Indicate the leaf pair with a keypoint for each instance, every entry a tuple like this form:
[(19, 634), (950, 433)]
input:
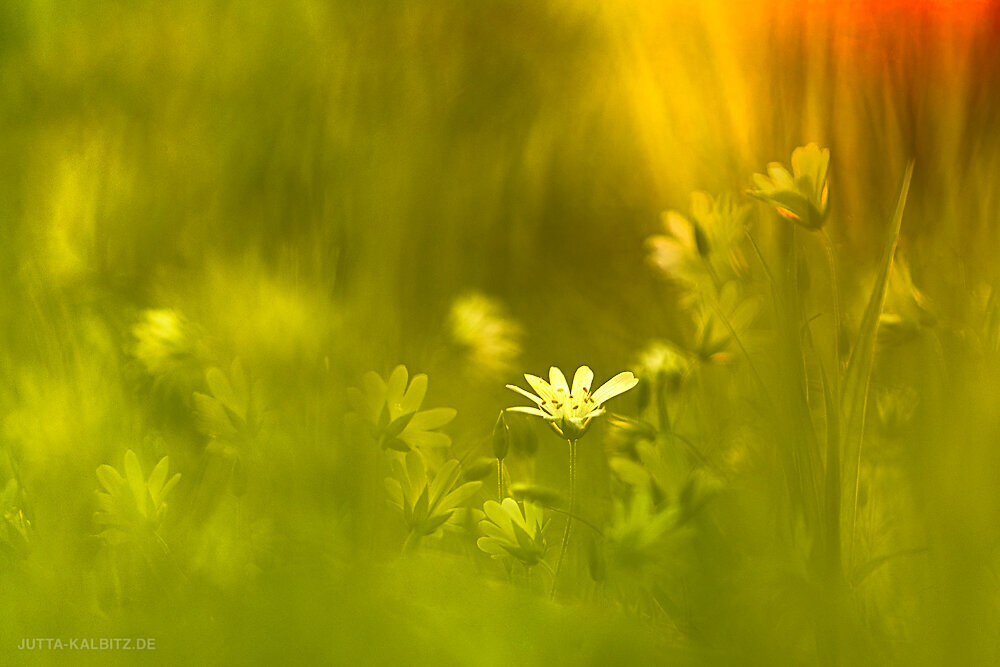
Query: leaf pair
[(227, 412), (637, 531), (510, 532), (428, 504), (132, 505), (392, 410)]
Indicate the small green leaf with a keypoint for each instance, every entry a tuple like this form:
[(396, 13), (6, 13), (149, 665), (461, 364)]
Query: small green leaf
[(109, 478), (168, 487), (396, 444), (395, 387), (414, 396), (426, 439), (157, 479), (523, 539), (221, 389), (435, 522), (136, 481), (428, 420), (461, 494), (212, 418), (416, 470), (421, 508), (398, 425), (445, 478)]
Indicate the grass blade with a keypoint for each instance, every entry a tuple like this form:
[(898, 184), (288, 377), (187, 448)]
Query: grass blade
[(859, 367)]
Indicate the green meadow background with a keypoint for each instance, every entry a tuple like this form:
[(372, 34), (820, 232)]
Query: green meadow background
[(309, 186)]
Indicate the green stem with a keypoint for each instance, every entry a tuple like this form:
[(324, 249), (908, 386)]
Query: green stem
[(569, 515), (663, 412), (412, 540), (576, 517), (833, 440), (500, 479)]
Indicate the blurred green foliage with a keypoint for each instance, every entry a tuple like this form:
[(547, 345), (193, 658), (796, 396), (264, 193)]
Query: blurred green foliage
[(218, 218)]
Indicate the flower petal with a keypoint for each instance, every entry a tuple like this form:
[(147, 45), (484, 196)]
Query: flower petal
[(558, 380), (490, 529), (497, 515), (541, 387), (780, 177), (534, 517), (665, 253), (491, 546), (534, 398), (530, 411), (680, 227), (619, 384), (582, 381), (510, 506)]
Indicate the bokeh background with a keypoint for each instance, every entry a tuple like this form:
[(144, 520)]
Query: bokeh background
[(310, 186)]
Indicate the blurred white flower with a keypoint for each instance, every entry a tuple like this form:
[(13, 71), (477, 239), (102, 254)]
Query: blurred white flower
[(163, 340), (489, 340), (661, 361), (803, 195), (705, 242), (906, 311)]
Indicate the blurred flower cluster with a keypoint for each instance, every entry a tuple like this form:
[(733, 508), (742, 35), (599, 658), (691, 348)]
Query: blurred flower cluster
[(704, 246)]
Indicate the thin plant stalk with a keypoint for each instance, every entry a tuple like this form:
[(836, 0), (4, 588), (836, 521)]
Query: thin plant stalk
[(662, 411), (412, 540), (833, 442), (569, 515)]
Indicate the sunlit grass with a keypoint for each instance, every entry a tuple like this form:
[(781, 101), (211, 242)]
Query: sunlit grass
[(295, 254)]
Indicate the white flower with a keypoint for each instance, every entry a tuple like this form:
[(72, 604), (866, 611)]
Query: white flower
[(569, 411)]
